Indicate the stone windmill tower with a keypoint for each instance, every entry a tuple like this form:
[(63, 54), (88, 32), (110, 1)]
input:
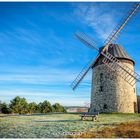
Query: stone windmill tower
[(110, 92), (114, 78)]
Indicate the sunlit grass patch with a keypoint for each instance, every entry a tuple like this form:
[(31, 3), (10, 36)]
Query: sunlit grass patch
[(57, 125)]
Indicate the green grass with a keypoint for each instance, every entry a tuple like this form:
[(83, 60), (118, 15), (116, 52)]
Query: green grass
[(56, 125)]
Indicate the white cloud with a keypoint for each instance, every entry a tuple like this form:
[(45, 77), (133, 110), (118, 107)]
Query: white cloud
[(62, 96), (97, 16), (42, 75), (67, 99), (51, 84)]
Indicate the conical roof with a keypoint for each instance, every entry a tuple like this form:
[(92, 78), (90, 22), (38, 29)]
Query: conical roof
[(117, 51)]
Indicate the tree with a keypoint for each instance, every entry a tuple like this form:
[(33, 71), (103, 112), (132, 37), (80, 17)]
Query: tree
[(19, 105), (5, 108), (59, 108), (46, 107), (32, 107), (39, 107)]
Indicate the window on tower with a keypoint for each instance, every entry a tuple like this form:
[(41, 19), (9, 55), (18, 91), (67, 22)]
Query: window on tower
[(101, 88), (105, 106), (101, 82), (101, 77), (134, 90)]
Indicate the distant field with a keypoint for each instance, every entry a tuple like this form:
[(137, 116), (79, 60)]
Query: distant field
[(58, 125)]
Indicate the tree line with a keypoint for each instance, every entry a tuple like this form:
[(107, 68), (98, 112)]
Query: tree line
[(20, 106)]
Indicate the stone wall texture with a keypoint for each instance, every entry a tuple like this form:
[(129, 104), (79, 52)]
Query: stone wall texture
[(110, 92)]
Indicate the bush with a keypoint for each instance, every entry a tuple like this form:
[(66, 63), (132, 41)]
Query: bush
[(5, 108), (59, 108)]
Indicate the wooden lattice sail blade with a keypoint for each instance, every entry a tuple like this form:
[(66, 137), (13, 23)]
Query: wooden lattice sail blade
[(85, 39), (130, 79), (79, 77), (124, 71), (110, 60), (116, 32), (91, 44)]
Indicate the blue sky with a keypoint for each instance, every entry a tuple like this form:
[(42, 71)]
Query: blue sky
[(39, 55)]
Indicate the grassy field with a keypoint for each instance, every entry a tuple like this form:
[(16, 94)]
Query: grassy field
[(60, 125)]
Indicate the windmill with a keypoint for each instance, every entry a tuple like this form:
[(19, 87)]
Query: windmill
[(106, 66)]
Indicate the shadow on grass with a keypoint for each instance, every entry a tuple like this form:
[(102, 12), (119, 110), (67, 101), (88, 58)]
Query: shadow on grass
[(76, 120), (9, 115), (39, 114), (59, 121)]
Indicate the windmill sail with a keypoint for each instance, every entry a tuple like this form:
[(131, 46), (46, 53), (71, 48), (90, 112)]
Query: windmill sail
[(114, 34), (80, 76), (124, 71), (112, 62), (121, 25), (90, 43)]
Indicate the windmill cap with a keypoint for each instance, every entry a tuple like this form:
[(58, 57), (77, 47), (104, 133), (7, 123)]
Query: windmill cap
[(118, 51)]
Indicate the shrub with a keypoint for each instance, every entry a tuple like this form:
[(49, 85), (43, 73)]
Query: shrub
[(5, 108), (59, 108)]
